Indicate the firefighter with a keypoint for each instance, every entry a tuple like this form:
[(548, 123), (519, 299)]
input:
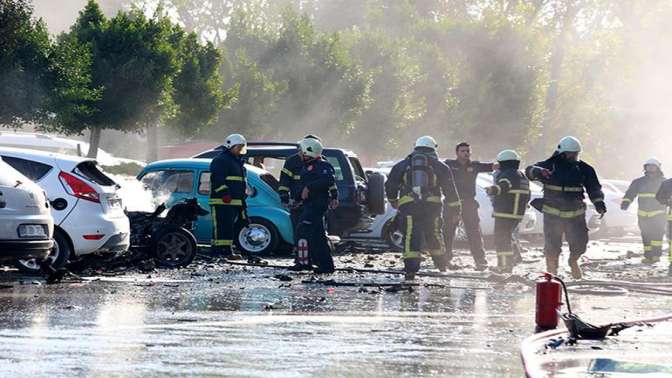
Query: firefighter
[(664, 196), (414, 187), (651, 213), (318, 194), (465, 171), (565, 179), (227, 195), (511, 195)]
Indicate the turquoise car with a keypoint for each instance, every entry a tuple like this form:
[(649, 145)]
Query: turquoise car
[(270, 229)]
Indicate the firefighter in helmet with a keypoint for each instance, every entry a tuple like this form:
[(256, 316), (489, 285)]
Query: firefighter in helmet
[(415, 187)]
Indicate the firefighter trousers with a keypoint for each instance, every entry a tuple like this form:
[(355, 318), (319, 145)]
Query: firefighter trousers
[(225, 219), (574, 229), (472, 227), (507, 244), (311, 239), (653, 231), (422, 228)]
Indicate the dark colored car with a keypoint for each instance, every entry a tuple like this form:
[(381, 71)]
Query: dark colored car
[(361, 195)]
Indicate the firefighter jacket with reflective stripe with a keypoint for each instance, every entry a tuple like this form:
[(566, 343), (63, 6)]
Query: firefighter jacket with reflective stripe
[(564, 189), (227, 178), (664, 196), (645, 188), (290, 177), (511, 194), (320, 178), (398, 184), (465, 176)]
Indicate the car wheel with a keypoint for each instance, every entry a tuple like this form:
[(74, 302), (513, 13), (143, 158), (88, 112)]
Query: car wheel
[(174, 247), (259, 238), (58, 257), (393, 236)]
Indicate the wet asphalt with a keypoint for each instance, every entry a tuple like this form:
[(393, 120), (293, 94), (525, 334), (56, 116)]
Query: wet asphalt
[(214, 319)]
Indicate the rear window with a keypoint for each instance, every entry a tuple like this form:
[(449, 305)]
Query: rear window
[(31, 169), (204, 183), (89, 170)]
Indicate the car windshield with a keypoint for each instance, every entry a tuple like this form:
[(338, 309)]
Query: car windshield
[(169, 181)]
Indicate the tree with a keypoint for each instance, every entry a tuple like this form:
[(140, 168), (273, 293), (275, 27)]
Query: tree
[(132, 64), (24, 64)]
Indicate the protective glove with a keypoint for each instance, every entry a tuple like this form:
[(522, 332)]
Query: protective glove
[(601, 207)]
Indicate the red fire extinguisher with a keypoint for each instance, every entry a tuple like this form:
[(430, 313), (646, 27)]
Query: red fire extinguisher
[(548, 302)]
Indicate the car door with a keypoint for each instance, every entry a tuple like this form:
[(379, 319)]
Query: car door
[(203, 227)]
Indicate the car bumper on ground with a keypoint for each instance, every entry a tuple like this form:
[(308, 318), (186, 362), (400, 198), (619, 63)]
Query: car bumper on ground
[(11, 250)]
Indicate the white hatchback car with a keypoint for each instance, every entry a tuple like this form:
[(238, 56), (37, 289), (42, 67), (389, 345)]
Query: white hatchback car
[(88, 214), (26, 225)]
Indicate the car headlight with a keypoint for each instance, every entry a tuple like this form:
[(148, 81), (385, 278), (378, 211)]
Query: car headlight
[(32, 231)]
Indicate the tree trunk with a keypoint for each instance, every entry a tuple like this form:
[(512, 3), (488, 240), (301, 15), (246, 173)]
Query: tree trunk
[(94, 142), (152, 143)]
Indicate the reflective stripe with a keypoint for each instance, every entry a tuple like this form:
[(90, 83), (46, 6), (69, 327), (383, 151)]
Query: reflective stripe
[(223, 187), (504, 180), (287, 172), (408, 254), (221, 243), (557, 188), (627, 200), (333, 187), (648, 248), (562, 214), (597, 200), (213, 211), (657, 243), (454, 204), (234, 178), (434, 199), (519, 191), (215, 201), (507, 215), (283, 189), (405, 199), (647, 195), (649, 214), (498, 188), (297, 177), (507, 253)]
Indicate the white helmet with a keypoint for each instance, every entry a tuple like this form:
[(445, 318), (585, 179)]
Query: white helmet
[(508, 155), (234, 140), (654, 162), (427, 142), (569, 144), (311, 147)]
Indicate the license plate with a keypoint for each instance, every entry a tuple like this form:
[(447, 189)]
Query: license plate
[(115, 202), (32, 231)]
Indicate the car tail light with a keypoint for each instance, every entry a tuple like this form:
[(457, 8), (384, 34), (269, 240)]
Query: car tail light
[(78, 187), (93, 236)]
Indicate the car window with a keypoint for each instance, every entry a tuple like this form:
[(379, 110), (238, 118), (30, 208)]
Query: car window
[(169, 181), (357, 167), (337, 167), (89, 169), (204, 183), (31, 169)]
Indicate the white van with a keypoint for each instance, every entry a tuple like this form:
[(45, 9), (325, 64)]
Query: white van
[(26, 224)]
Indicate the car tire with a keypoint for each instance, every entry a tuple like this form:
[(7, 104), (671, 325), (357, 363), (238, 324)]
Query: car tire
[(259, 238), (174, 247), (60, 255), (375, 194)]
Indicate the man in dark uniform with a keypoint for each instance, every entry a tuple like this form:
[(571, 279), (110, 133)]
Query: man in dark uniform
[(511, 195), (651, 213), (664, 196), (318, 192), (465, 171), (227, 195), (565, 178), (414, 187)]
